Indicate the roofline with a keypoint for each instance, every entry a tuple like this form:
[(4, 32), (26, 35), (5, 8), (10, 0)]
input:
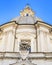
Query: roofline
[(7, 23), (28, 24), (44, 23)]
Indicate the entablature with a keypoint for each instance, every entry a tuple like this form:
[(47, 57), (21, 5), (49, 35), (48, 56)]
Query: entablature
[(32, 55)]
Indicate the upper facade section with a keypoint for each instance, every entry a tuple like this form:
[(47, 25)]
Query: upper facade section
[(27, 16), (27, 11)]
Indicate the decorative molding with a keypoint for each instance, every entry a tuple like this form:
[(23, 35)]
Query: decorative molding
[(32, 55)]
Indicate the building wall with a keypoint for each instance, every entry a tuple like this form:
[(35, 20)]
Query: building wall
[(41, 42), (11, 36), (36, 62), (44, 39), (35, 58)]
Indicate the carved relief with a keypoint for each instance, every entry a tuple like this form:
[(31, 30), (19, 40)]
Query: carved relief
[(25, 45)]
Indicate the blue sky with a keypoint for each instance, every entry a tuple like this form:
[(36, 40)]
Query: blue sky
[(10, 9)]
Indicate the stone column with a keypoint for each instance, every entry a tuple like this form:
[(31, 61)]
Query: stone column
[(33, 45), (17, 45), (49, 44), (2, 46), (10, 41), (41, 44)]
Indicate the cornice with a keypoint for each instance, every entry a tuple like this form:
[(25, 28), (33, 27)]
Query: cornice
[(13, 23), (44, 24), (37, 22), (32, 55)]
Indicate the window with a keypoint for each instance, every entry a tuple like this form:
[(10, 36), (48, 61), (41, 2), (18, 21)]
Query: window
[(25, 45)]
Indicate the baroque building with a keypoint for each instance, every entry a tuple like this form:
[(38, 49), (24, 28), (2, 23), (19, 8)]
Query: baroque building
[(26, 40)]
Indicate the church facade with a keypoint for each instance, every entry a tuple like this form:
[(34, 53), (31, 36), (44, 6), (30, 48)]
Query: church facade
[(26, 40)]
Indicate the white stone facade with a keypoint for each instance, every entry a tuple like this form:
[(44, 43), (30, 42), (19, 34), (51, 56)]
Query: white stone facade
[(38, 36)]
